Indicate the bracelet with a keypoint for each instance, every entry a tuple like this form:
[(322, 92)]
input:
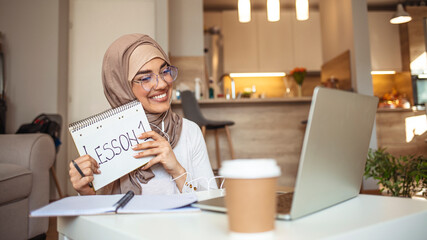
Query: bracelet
[(179, 176), (190, 186)]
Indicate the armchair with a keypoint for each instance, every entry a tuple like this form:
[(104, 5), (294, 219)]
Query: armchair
[(25, 160)]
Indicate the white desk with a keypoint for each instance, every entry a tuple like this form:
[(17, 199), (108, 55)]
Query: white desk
[(363, 217)]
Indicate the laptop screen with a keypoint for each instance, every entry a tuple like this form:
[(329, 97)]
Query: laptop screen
[(334, 150)]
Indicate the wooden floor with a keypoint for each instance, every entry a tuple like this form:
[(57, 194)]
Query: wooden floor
[(52, 234)]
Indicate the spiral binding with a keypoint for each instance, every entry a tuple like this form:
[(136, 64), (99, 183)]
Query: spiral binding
[(76, 126)]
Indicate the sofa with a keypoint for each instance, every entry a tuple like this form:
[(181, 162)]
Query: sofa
[(25, 160)]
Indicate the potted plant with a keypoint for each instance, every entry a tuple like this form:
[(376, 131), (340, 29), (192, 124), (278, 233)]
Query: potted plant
[(298, 74), (402, 176)]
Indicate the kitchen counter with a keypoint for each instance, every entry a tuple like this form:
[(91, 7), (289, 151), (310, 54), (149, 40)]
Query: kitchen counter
[(399, 110), (251, 100), (275, 128), (264, 128)]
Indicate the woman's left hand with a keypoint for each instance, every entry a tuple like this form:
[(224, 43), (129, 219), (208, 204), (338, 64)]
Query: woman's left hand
[(162, 150)]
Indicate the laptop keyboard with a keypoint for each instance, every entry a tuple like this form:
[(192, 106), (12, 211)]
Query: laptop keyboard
[(284, 202)]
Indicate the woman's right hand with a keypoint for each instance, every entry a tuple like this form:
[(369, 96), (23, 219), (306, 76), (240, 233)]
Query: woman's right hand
[(89, 166)]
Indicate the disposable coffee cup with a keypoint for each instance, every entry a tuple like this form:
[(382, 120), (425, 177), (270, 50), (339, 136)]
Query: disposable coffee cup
[(250, 198)]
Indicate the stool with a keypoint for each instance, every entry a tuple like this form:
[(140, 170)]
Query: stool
[(191, 110)]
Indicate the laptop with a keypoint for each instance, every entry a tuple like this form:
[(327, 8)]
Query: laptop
[(333, 156)]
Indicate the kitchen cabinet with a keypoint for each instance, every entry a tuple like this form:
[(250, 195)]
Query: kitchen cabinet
[(276, 43), (240, 43), (262, 46), (384, 42), (307, 37)]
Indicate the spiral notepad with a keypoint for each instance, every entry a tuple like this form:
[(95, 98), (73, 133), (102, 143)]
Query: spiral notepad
[(108, 138)]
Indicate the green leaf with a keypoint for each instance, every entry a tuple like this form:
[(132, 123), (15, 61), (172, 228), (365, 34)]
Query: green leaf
[(400, 176)]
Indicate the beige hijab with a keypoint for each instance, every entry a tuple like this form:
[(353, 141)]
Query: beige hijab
[(126, 54)]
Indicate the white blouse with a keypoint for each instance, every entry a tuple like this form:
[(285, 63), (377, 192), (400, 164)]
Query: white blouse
[(192, 154)]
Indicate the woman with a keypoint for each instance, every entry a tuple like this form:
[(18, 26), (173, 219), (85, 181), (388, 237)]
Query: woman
[(136, 67)]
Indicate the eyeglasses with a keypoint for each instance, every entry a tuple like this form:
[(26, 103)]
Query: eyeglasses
[(151, 80)]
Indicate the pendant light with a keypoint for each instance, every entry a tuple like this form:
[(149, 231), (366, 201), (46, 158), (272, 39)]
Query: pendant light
[(244, 9), (401, 16), (301, 7), (273, 10)]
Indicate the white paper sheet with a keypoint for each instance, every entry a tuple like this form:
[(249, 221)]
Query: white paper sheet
[(108, 138), (104, 204)]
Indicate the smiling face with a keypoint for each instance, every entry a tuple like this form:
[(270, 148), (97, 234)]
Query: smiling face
[(157, 99)]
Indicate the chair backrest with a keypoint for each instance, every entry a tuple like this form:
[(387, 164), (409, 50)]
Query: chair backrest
[(191, 108), (58, 119)]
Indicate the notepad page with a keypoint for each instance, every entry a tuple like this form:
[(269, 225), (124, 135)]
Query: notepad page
[(159, 203), (104, 204), (109, 141), (79, 205)]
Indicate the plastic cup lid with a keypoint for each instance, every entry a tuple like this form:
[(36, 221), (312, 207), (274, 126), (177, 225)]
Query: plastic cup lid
[(250, 168)]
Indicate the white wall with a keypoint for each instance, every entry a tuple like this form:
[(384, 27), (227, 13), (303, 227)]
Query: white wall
[(361, 52), (35, 46), (94, 25), (186, 28), (336, 27), (344, 26), (212, 19), (31, 33)]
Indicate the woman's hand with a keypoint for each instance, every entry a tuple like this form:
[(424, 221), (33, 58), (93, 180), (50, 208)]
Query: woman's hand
[(89, 166), (162, 150)]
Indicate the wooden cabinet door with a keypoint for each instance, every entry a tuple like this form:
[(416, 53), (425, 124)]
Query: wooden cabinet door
[(262, 46), (276, 43), (240, 43), (384, 42), (307, 42)]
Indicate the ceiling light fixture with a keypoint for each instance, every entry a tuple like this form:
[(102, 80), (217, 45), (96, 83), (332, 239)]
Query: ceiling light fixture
[(401, 16), (301, 7), (244, 9), (382, 72), (273, 10)]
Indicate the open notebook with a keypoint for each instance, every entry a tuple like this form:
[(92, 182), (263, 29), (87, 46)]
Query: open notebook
[(106, 204)]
